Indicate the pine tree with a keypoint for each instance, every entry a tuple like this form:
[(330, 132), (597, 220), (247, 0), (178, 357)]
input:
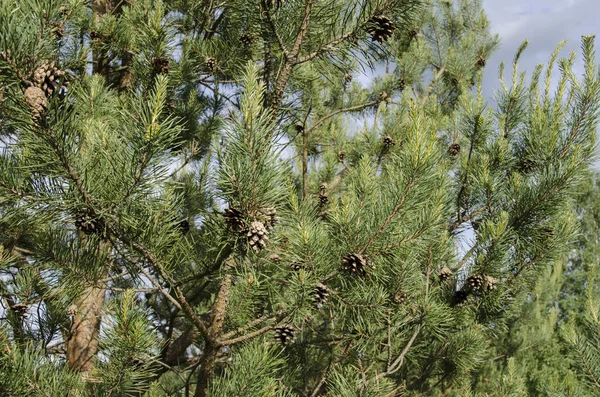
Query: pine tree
[(190, 205), (550, 346), (579, 295)]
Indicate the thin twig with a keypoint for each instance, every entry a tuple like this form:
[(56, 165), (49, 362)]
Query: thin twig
[(397, 364), (389, 217)]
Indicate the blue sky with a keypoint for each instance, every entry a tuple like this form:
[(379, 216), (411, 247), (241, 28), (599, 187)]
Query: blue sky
[(544, 23)]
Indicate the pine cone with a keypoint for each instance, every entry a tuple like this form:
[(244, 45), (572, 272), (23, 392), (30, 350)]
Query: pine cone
[(247, 39), (184, 226), (210, 63), (400, 298), (525, 165), (295, 266), (321, 295), (445, 273), (402, 84), (273, 4), (385, 97), (258, 310), (257, 236), (36, 101), (20, 309), (270, 215), (491, 283), (234, 219), (355, 264), (275, 258), (160, 65), (380, 28), (341, 155), (481, 61), (388, 141), (47, 77), (475, 281), (88, 223), (5, 56), (323, 199), (347, 78), (58, 29), (454, 149), (459, 297), (284, 335)]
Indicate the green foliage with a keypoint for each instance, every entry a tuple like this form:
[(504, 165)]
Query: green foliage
[(264, 225), (129, 347), (27, 372)]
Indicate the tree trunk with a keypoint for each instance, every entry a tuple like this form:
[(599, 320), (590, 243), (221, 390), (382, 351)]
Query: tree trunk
[(82, 344)]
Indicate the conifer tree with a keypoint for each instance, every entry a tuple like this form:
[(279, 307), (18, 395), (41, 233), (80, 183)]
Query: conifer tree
[(550, 346), (199, 198)]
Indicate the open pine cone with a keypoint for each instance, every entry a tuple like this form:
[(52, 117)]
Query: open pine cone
[(355, 264), (380, 28), (257, 236), (475, 281), (284, 335), (47, 77), (321, 295)]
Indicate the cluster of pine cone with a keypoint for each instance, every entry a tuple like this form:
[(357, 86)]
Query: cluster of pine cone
[(45, 82)]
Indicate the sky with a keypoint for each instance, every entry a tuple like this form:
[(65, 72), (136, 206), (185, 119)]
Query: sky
[(544, 23)]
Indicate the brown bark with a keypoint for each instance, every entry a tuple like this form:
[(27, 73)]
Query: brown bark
[(82, 344), (176, 349), (126, 78)]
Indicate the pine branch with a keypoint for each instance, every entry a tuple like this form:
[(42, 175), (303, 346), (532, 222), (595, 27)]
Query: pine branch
[(179, 297), (389, 217), (251, 324), (587, 366), (397, 364), (246, 337), (329, 46), (284, 49), (466, 257), (467, 218), (286, 71), (220, 307), (343, 110)]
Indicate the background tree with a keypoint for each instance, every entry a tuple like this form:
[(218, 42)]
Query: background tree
[(190, 206)]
